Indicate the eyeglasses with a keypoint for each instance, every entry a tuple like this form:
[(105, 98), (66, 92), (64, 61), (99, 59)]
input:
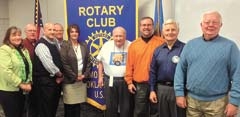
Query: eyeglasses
[(59, 30), (211, 22), (146, 25), (31, 30)]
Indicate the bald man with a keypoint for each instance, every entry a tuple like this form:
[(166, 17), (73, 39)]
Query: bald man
[(112, 63), (47, 72), (31, 37)]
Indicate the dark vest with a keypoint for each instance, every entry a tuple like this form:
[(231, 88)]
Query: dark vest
[(38, 68)]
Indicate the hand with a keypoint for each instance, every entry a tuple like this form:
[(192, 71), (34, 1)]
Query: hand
[(28, 87), (80, 77), (100, 82), (231, 110), (132, 88), (59, 80), (153, 97), (25, 87), (59, 74), (181, 101)]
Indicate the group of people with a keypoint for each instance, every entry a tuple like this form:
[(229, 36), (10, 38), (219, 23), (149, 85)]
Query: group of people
[(37, 70), (150, 77), (166, 78)]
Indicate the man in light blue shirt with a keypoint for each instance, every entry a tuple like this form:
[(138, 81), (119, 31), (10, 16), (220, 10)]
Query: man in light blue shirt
[(207, 78)]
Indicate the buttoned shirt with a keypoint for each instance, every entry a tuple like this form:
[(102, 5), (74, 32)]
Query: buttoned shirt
[(164, 62)]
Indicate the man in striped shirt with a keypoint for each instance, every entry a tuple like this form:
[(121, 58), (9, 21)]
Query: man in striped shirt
[(47, 73)]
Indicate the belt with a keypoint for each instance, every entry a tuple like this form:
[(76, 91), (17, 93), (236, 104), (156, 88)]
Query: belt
[(166, 83), (143, 82), (107, 76)]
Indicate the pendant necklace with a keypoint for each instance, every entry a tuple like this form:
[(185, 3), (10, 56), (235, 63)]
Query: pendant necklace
[(75, 48)]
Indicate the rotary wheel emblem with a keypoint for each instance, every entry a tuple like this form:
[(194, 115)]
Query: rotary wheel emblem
[(96, 41)]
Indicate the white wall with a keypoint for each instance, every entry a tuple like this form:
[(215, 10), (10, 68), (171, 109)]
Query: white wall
[(4, 18), (146, 8), (189, 13), (21, 12), (4, 9)]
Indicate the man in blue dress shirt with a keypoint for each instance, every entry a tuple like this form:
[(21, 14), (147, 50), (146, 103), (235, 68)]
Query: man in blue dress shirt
[(162, 70)]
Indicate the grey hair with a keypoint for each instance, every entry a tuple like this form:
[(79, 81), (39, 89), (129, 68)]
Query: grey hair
[(212, 12), (171, 21)]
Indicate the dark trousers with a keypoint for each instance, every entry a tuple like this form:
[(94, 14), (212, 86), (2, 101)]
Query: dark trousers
[(167, 103), (72, 110), (12, 103), (118, 98), (32, 103), (48, 94), (141, 103)]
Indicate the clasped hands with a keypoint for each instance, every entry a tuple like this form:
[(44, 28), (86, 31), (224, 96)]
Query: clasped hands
[(26, 87)]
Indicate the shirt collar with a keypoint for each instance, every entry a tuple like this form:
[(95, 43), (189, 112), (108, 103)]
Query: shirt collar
[(210, 39), (31, 41), (176, 44), (147, 39), (54, 41)]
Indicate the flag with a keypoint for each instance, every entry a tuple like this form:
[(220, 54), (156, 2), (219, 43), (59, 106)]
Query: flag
[(38, 19), (158, 17)]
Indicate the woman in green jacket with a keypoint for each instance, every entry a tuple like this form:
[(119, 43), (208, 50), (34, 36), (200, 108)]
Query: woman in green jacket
[(15, 73)]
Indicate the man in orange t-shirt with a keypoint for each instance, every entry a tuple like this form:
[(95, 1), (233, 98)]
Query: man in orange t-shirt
[(138, 65)]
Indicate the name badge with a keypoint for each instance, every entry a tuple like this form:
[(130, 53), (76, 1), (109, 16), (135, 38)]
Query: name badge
[(110, 81), (175, 59)]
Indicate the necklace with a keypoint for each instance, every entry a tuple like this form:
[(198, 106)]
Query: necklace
[(75, 48)]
